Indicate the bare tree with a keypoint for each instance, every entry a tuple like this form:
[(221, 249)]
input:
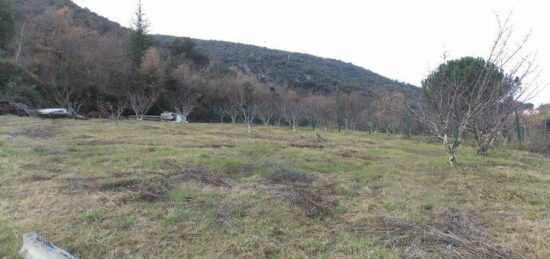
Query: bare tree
[(248, 104), (388, 113), (506, 82), (292, 109), (268, 104), (140, 102), (185, 97), (315, 110), (221, 110), (460, 93), (20, 43), (112, 110)]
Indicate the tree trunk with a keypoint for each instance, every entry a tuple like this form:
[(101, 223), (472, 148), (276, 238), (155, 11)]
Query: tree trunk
[(294, 127), (346, 123), (452, 156), (249, 128), (20, 43), (451, 150)]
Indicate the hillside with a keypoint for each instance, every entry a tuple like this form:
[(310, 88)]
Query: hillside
[(150, 190), (296, 70)]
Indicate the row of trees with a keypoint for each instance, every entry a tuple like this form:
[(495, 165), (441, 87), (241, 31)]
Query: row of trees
[(117, 72)]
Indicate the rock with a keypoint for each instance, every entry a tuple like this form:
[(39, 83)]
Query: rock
[(36, 247)]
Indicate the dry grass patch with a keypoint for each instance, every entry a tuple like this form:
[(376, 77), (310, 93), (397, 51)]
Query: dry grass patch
[(451, 234)]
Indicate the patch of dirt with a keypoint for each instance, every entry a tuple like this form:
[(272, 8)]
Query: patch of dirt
[(450, 235)]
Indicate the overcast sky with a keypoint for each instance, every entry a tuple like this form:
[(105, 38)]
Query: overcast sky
[(400, 39)]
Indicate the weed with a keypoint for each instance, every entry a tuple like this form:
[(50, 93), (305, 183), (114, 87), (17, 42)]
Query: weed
[(94, 217)]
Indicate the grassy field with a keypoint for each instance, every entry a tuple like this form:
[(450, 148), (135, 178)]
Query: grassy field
[(152, 190)]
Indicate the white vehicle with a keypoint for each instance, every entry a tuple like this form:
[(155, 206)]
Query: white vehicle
[(172, 116)]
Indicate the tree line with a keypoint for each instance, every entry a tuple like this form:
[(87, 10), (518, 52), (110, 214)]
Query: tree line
[(50, 60)]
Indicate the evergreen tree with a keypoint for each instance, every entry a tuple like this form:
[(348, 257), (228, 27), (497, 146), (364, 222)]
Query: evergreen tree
[(139, 41)]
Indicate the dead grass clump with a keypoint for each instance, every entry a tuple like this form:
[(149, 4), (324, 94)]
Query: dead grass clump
[(450, 235), (347, 153), (315, 204), (289, 178), (42, 166), (296, 188), (114, 184), (149, 189), (99, 142), (37, 177), (209, 146), (310, 142), (199, 174)]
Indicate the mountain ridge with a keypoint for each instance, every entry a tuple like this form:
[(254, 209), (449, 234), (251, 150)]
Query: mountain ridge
[(286, 68)]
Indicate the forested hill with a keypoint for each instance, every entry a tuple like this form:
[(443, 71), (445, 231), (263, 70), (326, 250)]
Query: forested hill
[(29, 9), (296, 70)]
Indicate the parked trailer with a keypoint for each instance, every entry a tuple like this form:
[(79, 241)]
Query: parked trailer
[(145, 117)]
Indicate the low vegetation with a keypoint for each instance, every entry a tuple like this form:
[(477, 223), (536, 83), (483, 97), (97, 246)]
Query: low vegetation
[(144, 190)]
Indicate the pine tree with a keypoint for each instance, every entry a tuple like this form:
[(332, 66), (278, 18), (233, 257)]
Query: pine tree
[(139, 41)]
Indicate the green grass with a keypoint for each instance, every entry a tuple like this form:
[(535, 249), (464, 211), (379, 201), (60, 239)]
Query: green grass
[(149, 190)]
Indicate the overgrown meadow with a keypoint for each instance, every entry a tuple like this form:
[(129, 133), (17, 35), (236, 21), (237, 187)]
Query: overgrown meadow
[(161, 190)]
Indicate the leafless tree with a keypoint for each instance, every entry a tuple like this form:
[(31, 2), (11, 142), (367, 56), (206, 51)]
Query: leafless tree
[(456, 100), (185, 97), (292, 109), (388, 113), (141, 101), (221, 110), (248, 104), (268, 104), (112, 110), (316, 109), (517, 82)]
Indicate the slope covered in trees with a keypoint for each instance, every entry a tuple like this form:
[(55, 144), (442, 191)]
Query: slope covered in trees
[(295, 70)]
